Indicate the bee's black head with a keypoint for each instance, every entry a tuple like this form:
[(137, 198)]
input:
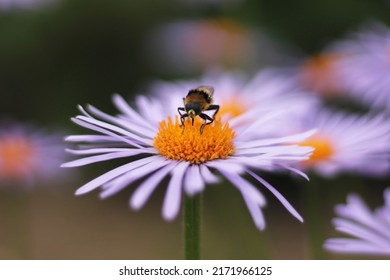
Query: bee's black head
[(193, 109)]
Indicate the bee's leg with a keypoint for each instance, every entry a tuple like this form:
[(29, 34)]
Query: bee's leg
[(182, 117), (206, 118), (213, 107)]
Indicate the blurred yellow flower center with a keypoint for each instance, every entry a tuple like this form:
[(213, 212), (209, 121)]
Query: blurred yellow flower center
[(232, 108), (15, 154), (323, 148), (216, 142)]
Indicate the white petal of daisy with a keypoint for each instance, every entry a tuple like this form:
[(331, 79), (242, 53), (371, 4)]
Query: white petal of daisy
[(231, 166), (208, 177), (97, 128), (143, 192), (188, 158), (88, 138), (255, 211), (295, 138), (242, 185), (127, 124), (252, 197), (284, 201), (194, 182), (106, 177), (297, 171), (357, 210), (116, 130), (354, 246), (122, 105), (119, 183), (110, 150), (360, 232), (93, 159), (147, 105), (172, 199), (370, 232)]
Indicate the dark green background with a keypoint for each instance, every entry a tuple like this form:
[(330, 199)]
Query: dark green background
[(79, 52)]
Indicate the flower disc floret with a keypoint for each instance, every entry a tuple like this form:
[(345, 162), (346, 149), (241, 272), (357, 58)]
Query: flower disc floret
[(216, 141), (323, 148)]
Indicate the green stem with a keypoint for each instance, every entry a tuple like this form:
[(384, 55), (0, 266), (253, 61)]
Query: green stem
[(314, 201), (191, 217)]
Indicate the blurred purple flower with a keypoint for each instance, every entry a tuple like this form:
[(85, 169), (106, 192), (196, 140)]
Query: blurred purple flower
[(319, 74), (369, 230), (197, 45), (347, 143), (28, 155), (188, 158), (366, 69)]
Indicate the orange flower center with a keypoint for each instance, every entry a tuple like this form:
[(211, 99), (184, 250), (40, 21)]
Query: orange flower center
[(216, 141), (15, 153), (323, 148)]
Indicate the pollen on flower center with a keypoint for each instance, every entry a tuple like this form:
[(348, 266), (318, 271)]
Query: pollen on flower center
[(216, 141), (323, 148)]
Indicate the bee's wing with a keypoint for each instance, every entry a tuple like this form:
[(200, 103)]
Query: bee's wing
[(209, 90)]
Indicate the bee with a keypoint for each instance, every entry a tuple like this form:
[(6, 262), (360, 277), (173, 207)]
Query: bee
[(197, 101)]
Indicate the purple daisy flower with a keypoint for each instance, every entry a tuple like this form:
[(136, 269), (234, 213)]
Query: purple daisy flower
[(369, 230), (347, 143), (190, 159), (28, 154)]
